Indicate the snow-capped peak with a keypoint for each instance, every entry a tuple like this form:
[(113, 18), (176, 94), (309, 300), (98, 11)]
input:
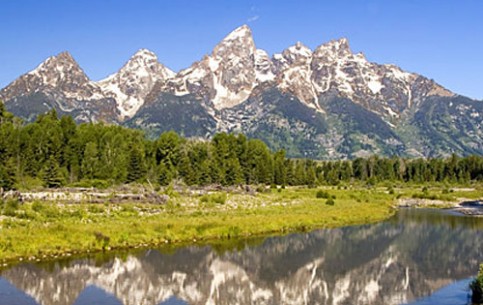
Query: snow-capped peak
[(299, 49), (145, 59), (295, 73), (237, 43), (239, 33), (60, 73), (232, 68), (145, 53), (227, 76), (133, 82), (58, 69), (334, 49)]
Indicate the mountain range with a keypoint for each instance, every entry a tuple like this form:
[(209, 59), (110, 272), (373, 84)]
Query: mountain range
[(327, 103)]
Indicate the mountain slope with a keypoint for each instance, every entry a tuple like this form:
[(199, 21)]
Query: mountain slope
[(58, 83), (226, 77), (324, 103), (446, 125), (133, 82)]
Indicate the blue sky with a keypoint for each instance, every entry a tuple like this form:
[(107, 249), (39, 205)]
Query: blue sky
[(440, 39)]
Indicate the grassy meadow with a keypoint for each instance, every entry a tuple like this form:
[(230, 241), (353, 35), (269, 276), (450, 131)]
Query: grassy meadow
[(48, 230)]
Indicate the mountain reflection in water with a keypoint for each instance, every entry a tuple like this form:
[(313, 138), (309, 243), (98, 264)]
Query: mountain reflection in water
[(409, 256)]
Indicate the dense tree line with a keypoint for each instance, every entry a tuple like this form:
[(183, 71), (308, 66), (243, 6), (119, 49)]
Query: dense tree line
[(58, 152)]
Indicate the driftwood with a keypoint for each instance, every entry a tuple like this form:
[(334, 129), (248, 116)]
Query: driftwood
[(234, 189), (125, 194), (11, 195), (83, 195)]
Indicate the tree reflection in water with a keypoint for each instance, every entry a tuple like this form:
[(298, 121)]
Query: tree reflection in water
[(407, 257)]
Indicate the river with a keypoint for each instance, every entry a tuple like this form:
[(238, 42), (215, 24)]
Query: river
[(417, 257)]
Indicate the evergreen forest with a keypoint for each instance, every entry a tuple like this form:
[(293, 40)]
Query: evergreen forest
[(55, 152)]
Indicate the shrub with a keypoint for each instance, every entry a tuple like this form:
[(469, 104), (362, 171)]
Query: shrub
[(217, 198), (220, 198), (447, 191), (330, 201), (425, 196), (37, 206), (371, 182), (171, 192), (95, 209), (102, 240), (10, 207), (390, 189), (29, 183), (322, 194), (476, 287), (96, 183), (48, 210)]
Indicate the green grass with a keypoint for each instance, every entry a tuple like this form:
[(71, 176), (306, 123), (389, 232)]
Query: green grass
[(42, 230), (45, 230)]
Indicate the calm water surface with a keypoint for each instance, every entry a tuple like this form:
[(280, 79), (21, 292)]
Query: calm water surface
[(418, 257)]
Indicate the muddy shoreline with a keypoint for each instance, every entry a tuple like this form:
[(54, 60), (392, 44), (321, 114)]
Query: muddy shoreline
[(464, 206)]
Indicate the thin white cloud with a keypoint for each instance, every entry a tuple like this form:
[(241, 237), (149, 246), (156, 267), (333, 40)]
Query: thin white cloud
[(253, 18)]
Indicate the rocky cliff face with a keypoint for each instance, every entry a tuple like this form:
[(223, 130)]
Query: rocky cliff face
[(322, 103), (133, 82), (226, 77), (59, 83)]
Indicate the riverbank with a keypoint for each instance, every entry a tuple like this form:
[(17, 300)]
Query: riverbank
[(42, 230)]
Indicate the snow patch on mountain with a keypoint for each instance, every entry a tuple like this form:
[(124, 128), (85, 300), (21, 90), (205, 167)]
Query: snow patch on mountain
[(133, 82), (263, 67), (295, 73), (228, 76), (375, 86)]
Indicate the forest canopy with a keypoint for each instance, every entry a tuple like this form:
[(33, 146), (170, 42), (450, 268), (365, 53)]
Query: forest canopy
[(54, 152)]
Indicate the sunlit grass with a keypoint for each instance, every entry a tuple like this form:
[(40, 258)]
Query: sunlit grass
[(42, 230)]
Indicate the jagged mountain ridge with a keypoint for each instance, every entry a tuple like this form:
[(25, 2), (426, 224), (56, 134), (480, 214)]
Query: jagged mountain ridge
[(232, 90), (134, 81), (60, 83)]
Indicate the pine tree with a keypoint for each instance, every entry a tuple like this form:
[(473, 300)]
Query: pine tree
[(204, 176), (165, 174), (136, 166), (279, 170), (310, 177), (186, 171), (234, 174), (7, 175), (5, 116), (52, 176), (90, 162), (168, 148)]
